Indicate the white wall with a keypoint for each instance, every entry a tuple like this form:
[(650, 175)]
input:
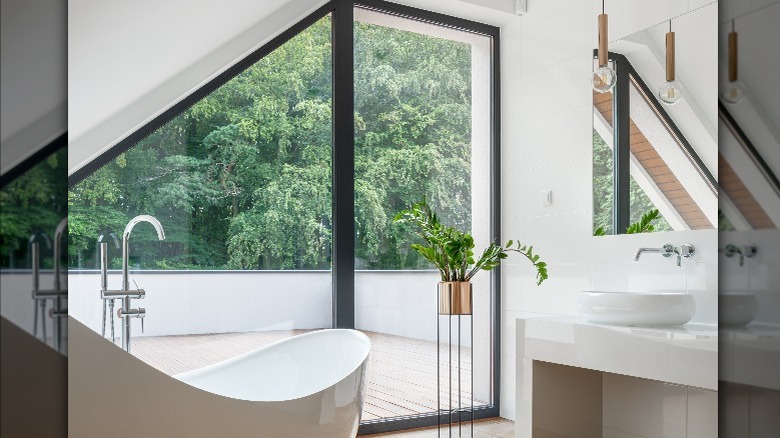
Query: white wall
[(16, 303), (400, 303), (211, 302), (129, 61), (547, 121), (33, 92)]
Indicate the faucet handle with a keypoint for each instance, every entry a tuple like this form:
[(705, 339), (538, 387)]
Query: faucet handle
[(686, 250), (140, 292)]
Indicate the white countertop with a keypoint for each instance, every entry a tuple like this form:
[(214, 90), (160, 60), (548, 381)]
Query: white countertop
[(686, 355), (751, 355)]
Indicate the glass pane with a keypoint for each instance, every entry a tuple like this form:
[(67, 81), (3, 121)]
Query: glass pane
[(32, 209), (422, 105), (603, 164), (662, 176), (241, 184)]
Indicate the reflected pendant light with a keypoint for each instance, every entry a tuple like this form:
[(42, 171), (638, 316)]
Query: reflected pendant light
[(604, 78), (734, 90), (671, 91)]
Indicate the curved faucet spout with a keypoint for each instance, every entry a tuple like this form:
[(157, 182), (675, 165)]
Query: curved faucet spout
[(126, 247), (144, 218)]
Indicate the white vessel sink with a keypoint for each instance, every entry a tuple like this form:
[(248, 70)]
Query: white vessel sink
[(736, 308), (636, 308)]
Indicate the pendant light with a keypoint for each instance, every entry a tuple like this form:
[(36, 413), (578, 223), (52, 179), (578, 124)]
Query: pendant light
[(734, 90), (604, 78), (671, 91)]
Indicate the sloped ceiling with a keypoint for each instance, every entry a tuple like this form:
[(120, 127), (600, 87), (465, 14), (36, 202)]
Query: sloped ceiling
[(129, 61), (33, 92)]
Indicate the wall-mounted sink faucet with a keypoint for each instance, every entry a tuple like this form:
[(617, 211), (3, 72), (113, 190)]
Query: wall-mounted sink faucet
[(126, 312), (744, 251), (666, 251), (686, 250)]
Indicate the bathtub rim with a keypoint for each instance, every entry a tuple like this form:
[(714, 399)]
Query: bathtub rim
[(196, 372)]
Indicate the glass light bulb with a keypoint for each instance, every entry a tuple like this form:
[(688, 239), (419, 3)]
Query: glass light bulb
[(733, 92), (671, 92), (604, 79)]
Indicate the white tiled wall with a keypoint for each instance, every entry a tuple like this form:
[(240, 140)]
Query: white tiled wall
[(758, 274), (546, 145)]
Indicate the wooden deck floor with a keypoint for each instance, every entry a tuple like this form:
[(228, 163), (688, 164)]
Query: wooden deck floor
[(401, 377)]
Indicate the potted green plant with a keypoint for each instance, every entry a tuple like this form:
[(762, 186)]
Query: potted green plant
[(452, 252)]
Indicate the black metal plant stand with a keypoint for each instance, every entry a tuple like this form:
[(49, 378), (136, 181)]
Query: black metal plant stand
[(452, 418)]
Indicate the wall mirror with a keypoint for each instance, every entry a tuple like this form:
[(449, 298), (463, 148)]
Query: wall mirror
[(652, 160), (33, 245), (749, 136)]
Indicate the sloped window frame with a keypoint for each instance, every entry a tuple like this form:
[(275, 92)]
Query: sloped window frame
[(343, 247)]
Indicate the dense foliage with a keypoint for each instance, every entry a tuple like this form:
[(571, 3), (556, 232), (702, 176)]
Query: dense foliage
[(32, 205), (242, 179)]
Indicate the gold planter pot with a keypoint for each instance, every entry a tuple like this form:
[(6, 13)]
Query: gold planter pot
[(454, 298)]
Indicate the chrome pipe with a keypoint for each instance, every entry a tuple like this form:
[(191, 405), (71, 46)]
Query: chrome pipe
[(104, 282), (667, 251), (125, 324), (103, 266), (49, 294), (111, 294), (57, 323), (36, 268), (111, 312), (36, 265), (57, 249)]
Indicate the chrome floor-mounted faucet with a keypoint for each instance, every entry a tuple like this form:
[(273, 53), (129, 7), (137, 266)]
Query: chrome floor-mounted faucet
[(57, 294), (125, 293)]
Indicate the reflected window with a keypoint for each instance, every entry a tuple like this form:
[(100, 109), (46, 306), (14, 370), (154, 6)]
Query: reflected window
[(661, 173)]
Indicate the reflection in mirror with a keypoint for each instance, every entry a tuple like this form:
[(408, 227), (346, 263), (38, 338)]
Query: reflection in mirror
[(33, 205), (651, 162), (749, 221)]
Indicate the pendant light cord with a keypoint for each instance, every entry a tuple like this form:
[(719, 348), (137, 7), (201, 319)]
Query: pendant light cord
[(602, 6)]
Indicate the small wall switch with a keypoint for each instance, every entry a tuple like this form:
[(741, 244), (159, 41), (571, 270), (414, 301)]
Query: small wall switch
[(546, 198), (521, 7)]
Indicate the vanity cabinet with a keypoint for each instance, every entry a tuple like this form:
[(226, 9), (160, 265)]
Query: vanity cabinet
[(577, 379)]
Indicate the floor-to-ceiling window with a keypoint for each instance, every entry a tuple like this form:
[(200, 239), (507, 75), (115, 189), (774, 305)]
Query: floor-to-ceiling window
[(422, 131), (241, 184), (256, 176)]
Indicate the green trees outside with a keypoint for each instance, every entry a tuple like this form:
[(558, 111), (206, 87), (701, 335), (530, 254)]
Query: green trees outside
[(242, 179), (603, 192), (33, 203)]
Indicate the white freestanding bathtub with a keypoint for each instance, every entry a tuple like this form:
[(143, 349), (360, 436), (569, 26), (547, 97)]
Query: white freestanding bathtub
[(310, 385)]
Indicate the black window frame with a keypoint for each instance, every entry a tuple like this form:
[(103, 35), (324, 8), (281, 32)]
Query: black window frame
[(343, 204)]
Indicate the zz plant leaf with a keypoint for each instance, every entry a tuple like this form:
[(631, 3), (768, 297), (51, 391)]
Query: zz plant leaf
[(452, 251), (644, 224)]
